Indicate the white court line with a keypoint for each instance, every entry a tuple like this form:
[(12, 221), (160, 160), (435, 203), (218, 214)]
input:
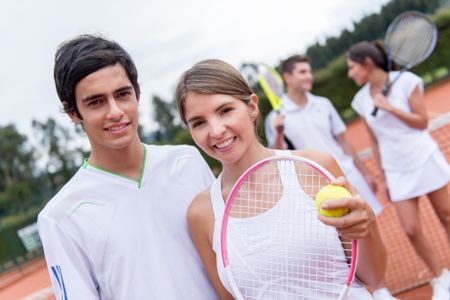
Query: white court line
[(42, 294)]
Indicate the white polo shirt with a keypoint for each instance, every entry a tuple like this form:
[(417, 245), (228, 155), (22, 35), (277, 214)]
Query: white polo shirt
[(313, 126), (109, 237), (401, 147)]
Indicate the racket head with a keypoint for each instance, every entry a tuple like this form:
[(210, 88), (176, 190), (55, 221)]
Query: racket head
[(271, 84), (410, 39), (271, 248)]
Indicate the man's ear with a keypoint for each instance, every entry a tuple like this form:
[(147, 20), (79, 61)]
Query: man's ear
[(138, 96), (72, 114), (286, 77)]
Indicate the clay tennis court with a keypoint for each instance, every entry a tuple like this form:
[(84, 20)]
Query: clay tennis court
[(406, 274)]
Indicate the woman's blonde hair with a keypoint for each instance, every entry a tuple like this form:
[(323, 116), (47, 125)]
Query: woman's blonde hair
[(212, 76)]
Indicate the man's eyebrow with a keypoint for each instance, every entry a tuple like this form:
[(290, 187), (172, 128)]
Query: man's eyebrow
[(95, 96), (124, 89)]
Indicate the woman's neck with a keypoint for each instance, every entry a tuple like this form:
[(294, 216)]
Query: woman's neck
[(377, 79), (232, 172)]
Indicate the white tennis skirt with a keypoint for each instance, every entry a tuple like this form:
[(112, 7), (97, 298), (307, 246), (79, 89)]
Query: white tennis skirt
[(431, 176), (357, 180)]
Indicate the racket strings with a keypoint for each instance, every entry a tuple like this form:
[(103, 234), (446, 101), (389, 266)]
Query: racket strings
[(411, 40), (274, 83), (279, 248)]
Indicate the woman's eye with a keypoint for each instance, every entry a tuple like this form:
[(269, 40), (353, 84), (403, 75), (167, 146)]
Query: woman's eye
[(197, 124), (226, 109)]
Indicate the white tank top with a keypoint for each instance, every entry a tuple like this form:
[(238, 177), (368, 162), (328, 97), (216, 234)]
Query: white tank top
[(258, 223)]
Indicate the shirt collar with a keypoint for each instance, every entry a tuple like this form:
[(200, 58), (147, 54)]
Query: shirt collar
[(290, 105)]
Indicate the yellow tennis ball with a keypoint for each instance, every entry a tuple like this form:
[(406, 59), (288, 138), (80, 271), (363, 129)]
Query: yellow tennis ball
[(332, 192)]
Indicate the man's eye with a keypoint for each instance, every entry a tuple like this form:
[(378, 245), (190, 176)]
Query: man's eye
[(94, 103), (124, 94)]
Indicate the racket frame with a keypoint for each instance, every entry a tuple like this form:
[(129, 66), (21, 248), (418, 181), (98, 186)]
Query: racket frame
[(226, 216), (274, 97), (391, 28)]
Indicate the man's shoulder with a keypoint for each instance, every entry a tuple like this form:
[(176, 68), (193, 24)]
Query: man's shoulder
[(61, 202), (320, 99), (173, 156), (172, 152), (178, 163)]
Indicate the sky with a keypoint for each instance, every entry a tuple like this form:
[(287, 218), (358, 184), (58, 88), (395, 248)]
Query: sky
[(163, 37)]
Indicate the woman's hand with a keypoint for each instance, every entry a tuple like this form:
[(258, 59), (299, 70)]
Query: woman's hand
[(278, 123), (380, 101), (355, 225)]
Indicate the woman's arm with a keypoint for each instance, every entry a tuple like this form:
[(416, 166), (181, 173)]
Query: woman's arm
[(348, 149), (360, 224), (381, 186), (200, 218)]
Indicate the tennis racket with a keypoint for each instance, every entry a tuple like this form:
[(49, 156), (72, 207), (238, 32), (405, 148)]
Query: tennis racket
[(271, 84), (410, 39), (273, 245)]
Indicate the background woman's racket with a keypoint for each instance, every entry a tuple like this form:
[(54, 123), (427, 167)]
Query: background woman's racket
[(409, 40), (273, 244), (271, 84)]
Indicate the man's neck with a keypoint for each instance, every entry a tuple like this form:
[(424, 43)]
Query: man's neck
[(126, 161), (298, 97)]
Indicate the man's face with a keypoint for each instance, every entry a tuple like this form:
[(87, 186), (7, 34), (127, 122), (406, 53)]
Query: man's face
[(107, 103), (301, 77)]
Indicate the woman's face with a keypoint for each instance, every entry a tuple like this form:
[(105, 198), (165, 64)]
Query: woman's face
[(357, 72), (221, 125)]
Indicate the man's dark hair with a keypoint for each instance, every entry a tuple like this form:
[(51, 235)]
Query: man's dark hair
[(288, 65), (85, 54)]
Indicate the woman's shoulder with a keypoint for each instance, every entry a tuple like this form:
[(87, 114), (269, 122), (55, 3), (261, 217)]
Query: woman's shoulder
[(324, 159), (200, 208), (405, 78)]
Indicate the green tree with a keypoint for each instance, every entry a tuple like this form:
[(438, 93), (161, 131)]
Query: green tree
[(371, 27), (165, 116), (17, 159), (62, 157)]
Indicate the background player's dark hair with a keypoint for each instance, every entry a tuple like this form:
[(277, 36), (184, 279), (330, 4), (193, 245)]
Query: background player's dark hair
[(375, 51), (288, 65)]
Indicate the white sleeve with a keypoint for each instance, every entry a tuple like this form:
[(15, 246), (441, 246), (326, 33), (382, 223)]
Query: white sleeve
[(411, 81), (337, 125), (68, 266), (356, 105)]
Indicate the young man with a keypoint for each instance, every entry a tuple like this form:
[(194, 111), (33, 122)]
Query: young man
[(117, 229), (309, 121)]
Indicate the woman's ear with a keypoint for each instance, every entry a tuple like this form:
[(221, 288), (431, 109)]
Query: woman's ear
[(368, 63), (253, 106)]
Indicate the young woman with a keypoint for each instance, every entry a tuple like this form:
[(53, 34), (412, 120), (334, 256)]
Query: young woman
[(221, 112), (410, 159)]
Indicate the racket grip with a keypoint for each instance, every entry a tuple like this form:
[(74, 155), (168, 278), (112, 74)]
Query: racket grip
[(384, 92), (374, 111)]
